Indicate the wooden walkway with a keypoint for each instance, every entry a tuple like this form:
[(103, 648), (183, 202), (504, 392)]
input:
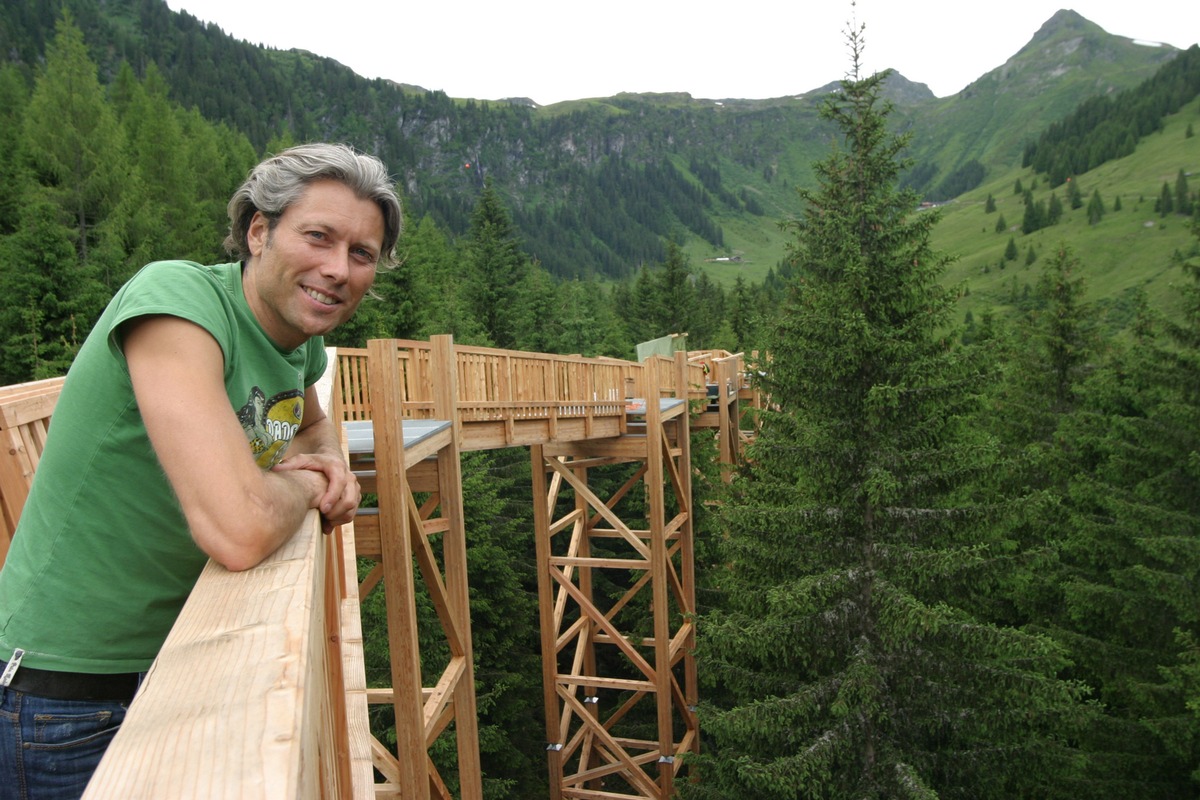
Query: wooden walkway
[(260, 690)]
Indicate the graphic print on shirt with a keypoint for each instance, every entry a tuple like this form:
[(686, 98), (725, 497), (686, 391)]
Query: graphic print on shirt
[(271, 424)]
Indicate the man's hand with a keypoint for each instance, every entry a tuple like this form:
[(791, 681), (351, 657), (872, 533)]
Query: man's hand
[(341, 498)]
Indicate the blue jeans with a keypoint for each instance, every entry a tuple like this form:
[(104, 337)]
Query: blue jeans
[(50, 748)]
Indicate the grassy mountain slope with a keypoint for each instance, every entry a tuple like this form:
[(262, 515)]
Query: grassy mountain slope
[(595, 185), (1066, 61), (1127, 250)]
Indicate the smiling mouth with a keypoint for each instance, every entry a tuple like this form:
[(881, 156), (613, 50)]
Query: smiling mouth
[(320, 297)]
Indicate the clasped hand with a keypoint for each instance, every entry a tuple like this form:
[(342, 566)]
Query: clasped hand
[(339, 501)]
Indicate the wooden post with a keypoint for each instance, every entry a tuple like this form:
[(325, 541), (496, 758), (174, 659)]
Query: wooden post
[(727, 414), (454, 546), (660, 604), (541, 532), (687, 566), (586, 650), (397, 561)]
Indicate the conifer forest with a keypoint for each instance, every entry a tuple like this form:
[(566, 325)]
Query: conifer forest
[(959, 561)]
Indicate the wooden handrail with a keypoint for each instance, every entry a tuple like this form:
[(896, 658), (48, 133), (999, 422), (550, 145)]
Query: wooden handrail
[(25, 411), (258, 691), (494, 382), (504, 397)]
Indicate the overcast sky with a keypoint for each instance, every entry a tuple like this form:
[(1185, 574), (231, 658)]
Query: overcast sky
[(553, 50)]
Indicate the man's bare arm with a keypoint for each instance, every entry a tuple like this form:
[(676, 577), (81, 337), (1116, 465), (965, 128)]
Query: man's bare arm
[(237, 513), (317, 447)]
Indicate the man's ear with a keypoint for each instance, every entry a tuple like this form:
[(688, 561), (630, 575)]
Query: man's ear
[(258, 232)]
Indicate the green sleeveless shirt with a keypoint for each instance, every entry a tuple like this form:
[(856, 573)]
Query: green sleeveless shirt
[(102, 560)]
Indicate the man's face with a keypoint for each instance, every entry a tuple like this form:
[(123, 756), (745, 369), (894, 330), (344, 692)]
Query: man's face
[(308, 275)]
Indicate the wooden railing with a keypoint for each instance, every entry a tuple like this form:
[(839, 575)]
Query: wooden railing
[(493, 383), (25, 411), (505, 397), (259, 689)]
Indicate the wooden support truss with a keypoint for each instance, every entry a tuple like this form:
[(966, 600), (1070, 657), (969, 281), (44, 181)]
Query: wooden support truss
[(617, 601)]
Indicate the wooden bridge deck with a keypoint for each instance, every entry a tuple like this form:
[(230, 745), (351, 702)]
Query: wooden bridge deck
[(260, 690)]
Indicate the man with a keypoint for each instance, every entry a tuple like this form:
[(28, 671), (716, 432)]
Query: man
[(167, 448)]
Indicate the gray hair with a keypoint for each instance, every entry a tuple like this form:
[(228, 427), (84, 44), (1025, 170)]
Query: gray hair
[(281, 180)]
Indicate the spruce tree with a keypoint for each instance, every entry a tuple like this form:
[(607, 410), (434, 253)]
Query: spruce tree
[(742, 315), (14, 94), (1010, 251), (1055, 211), (50, 300), (1095, 209), (496, 267), (578, 318), (504, 627), (846, 667), (539, 324), (1130, 608), (429, 293), (72, 143), (1166, 201), (1035, 215), (1183, 199), (154, 131), (1046, 354), (676, 304), (1074, 193)]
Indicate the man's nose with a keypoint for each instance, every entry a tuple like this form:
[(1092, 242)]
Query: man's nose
[(337, 264)]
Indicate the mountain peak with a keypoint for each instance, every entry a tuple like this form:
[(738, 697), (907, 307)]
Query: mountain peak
[(896, 89), (1068, 24), (1064, 50), (1065, 26)]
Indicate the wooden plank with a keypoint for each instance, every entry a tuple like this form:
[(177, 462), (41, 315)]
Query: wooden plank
[(427, 446), (454, 549), (354, 394), (16, 474), (606, 563), (630, 446), (427, 562), (586, 606), (396, 558), (26, 408), (658, 583), (354, 669), (595, 681), (46, 385), (438, 712), (541, 524), (236, 727), (25, 411)]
